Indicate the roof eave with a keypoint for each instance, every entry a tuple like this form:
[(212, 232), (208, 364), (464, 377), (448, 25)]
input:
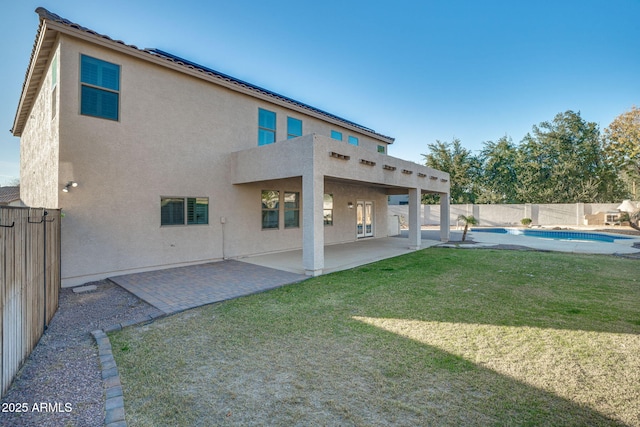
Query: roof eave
[(19, 119)]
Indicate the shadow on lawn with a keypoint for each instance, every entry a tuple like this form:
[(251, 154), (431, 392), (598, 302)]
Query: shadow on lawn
[(488, 393), (515, 299)]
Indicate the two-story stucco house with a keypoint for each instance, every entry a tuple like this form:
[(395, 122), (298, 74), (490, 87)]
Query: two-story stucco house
[(160, 162)]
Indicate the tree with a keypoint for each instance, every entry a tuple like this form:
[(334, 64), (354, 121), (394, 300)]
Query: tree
[(462, 166), (632, 218), (562, 161), (622, 144), (467, 220), (499, 174)]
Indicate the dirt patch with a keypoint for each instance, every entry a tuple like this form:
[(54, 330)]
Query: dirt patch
[(514, 248), (629, 256), (470, 244)]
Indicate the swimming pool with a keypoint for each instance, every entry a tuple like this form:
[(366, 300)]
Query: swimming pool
[(553, 234)]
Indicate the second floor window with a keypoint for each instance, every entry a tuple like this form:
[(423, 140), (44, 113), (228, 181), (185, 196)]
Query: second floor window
[(353, 140), (336, 135), (294, 128), (266, 127), (100, 88)]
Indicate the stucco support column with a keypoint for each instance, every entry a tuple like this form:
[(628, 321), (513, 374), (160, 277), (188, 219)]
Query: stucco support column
[(312, 223), (415, 235), (579, 213), (426, 211), (444, 217)]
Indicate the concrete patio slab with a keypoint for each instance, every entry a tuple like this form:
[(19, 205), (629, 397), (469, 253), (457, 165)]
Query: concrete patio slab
[(346, 255)]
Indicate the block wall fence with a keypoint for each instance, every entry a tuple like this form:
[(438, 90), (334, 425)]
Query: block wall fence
[(569, 214)]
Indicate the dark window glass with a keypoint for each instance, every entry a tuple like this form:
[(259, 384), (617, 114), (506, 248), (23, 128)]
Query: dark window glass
[(270, 209), (266, 127), (100, 86), (172, 211), (294, 127)]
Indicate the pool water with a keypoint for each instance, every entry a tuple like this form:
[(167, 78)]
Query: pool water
[(553, 234)]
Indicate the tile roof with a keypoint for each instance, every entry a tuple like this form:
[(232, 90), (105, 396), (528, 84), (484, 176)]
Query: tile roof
[(45, 15), (9, 194)]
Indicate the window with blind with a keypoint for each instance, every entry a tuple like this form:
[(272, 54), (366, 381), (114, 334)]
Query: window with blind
[(184, 210), (100, 88)]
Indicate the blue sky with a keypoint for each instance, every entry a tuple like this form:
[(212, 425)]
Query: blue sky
[(419, 71)]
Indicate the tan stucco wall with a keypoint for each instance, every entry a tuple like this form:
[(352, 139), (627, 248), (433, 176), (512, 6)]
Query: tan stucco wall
[(173, 138), (160, 147), (39, 147), (244, 234)]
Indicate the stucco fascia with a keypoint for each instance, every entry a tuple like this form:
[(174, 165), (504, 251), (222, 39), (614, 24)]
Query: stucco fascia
[(333, 159)]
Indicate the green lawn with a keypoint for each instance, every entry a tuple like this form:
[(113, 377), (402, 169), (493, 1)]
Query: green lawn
[(436, 337)]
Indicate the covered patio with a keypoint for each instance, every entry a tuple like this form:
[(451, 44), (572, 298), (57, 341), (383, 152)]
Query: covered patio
[(176, 289), (317, 159), (346, 255)]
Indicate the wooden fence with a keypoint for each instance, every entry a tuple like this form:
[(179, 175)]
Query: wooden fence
[(29, 282)]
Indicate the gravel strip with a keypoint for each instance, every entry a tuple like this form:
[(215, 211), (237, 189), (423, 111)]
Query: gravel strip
[(60, 383)]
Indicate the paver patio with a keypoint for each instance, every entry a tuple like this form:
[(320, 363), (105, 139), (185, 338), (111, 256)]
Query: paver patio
[(176, 289)]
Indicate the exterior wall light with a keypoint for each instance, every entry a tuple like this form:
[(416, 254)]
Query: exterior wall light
[(69, 185), (350, 205)]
